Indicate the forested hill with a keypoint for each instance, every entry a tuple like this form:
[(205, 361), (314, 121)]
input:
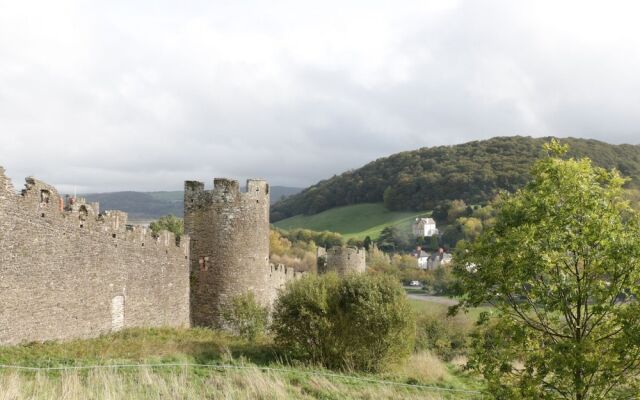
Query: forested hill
[(473, 172)]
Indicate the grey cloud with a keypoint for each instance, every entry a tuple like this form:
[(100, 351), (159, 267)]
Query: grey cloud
[(144, 96)]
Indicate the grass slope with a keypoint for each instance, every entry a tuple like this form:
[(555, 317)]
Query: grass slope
[(355, 221)]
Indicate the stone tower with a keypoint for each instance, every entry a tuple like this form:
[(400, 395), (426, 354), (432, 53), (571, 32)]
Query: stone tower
[(343, 260), (229, 232)]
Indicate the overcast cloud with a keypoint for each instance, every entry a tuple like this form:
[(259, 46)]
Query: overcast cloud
[(116, 95)]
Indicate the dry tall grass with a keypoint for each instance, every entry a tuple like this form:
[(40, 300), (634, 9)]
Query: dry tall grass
[(199, 346), (426, 367), (185, 383)]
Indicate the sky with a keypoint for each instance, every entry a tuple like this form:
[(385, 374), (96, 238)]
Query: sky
[(118, 95)]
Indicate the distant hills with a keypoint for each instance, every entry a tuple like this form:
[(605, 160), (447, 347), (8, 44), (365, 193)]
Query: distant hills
[(420, 179), (146, 206)]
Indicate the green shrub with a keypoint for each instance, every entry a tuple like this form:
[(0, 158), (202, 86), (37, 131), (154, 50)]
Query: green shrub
[(361, 322), (246, 317), (445, 336), (301, 318)]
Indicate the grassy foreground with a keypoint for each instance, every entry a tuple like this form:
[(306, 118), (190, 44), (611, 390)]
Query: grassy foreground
[(256, 371), (147, 383), (355, 221)]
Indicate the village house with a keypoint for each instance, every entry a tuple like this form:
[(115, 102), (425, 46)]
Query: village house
[(430, 261), (422, 257), (425, 227)]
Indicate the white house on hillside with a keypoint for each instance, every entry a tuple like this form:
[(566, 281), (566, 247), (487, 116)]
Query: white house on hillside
[(424, 227)]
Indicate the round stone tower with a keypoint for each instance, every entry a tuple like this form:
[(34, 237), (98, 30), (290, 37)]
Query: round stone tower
[(343, 260), (229, 232)]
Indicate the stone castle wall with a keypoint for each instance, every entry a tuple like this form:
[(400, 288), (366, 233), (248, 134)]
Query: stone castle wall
[(229, 247), (278, 278), (343, 260), (66, 272)]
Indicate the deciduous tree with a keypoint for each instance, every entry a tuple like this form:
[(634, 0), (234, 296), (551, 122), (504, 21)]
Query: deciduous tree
[(561, 266)]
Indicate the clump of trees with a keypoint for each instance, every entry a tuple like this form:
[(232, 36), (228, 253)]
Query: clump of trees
[(169, 223), (360, 322), (460, 222), (297, 248), (561, 266), (300, 254), (323, 239)]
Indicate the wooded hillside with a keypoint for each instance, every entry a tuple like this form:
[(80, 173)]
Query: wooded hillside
[(473, 172)]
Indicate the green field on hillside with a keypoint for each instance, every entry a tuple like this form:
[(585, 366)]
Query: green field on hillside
[(355, 221)]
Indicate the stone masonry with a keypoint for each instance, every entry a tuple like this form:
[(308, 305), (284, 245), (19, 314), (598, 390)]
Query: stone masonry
[(342, 260), (229, 247), (68, 272)]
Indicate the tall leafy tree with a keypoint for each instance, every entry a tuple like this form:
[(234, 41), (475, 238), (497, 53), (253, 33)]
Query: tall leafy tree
[(388, 239), (367, 242), (561, 266)]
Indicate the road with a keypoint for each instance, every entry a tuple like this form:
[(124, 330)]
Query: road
[(447, 301)]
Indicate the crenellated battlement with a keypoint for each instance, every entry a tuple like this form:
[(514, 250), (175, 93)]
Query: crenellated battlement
[(257, 187), (343, 260), (349, 251), (283, 270), (225, 185), (42, 202), (224, 191), (278, 278)]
